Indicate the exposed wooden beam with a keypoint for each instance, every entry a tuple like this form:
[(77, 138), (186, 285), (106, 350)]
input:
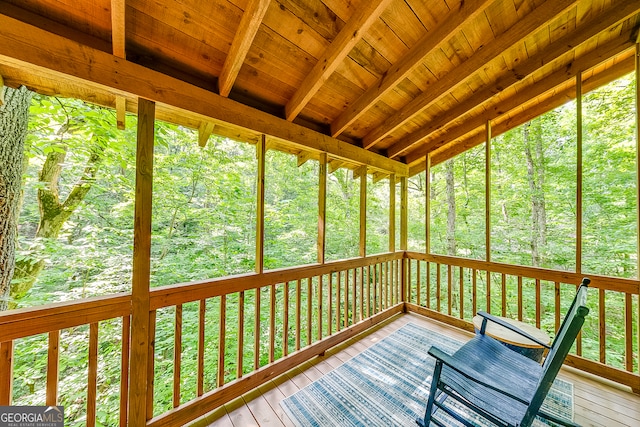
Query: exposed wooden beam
[(204, 132), (118, 23), (249, 25), (590, 60), (523, 28), (599, 23), (121, 112), (561, 97), (344, 42), (379, 176), (28, 47), (429, 43)]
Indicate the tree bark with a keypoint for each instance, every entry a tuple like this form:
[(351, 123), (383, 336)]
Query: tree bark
[(451, 211), (14, 119), (535, 176)]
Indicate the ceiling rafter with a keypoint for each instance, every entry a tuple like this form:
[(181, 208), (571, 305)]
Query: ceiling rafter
[(429, 42), (519, 31), (590, 29), (586, 62), (25, 47), (249, 25), (351, 33), (624, 67)]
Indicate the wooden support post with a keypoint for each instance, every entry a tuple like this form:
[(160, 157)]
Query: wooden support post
[(427, 205), (392, 213), (322, 207), (261, 148), (363, 214), (638, 183), (404, 213), (53, 368), (579, 172), (141, 265), (487, 194)]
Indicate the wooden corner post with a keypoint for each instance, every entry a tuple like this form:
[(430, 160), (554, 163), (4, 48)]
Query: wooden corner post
[(322, 208), (140, 339)]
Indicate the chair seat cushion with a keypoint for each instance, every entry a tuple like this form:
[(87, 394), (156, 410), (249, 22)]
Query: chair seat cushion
[(500, 367)]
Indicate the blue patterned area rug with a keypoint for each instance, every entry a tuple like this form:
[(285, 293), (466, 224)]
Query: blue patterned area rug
[(388, 384)]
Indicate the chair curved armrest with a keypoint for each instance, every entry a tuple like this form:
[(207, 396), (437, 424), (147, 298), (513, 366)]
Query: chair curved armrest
[(470, 373), (486, 316)]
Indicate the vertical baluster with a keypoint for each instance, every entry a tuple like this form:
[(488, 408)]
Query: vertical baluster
[(52, 368), (298, 312), (346, 298), (320, 284), (368, 282), (417, 280), (338, 312), (272, 323), (202, 309), (461, 293), (449, 289), (438, 299), (603, 326), (330, 306), (124, 370), (150, 362), (557, 305), (361, 283), (285, 321), (354, 301), (538, 303), (177, 355), (240, 351), (256, 329), (427, 283), (375, 288), (504, 294), (92, 376), (520, 298), (222, 329), (474, 290), (309, 308), (488, 308), (628, 332)]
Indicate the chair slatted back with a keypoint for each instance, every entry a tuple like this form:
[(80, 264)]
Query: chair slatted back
[(562, 343)]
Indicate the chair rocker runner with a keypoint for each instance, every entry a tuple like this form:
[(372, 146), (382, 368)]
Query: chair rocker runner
[(498, 383)]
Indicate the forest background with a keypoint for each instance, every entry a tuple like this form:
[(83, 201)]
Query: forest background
[(204, 217)]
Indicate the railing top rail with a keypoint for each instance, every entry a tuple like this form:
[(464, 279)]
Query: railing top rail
[(618, 284), (56, 316)]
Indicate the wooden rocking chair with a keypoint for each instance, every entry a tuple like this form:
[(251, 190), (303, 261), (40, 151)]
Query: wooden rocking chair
[(498, 383)]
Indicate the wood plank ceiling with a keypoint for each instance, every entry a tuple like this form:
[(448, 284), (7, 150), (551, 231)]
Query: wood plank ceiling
[(401, 78)]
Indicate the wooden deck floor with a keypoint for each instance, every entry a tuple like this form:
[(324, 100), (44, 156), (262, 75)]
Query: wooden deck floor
[(597, 402)]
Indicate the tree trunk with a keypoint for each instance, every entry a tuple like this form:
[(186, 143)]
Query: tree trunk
[(451, 211), (14, 118), (535, 176), (53, 212)]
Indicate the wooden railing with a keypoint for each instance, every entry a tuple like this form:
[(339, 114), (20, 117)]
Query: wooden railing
[(453, 289), (211, 341)]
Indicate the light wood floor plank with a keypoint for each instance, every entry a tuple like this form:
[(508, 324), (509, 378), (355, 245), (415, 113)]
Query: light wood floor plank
[(597, 401)]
